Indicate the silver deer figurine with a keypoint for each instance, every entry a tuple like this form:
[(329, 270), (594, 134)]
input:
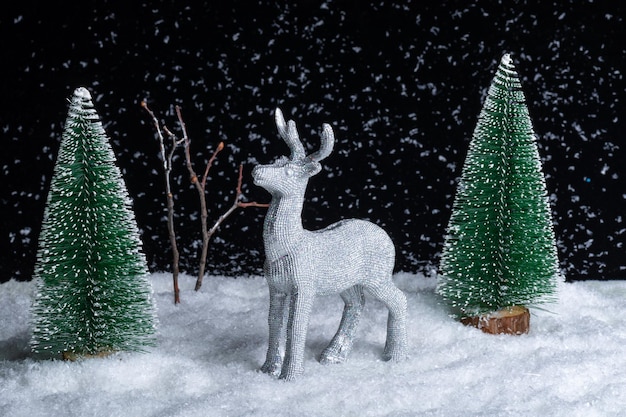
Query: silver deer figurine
[(347, 257)]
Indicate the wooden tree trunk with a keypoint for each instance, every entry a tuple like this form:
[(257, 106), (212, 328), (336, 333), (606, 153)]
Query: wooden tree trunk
[(73, 356), (510, 320)]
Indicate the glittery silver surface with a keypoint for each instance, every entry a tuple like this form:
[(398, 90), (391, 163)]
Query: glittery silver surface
[(347, 257)]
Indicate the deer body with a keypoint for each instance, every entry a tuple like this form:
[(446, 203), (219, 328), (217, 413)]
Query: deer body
[(347, 257), (307, 262)]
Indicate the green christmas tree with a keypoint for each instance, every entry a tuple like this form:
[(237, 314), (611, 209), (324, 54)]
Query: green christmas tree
[(500, 248), (93, 292)]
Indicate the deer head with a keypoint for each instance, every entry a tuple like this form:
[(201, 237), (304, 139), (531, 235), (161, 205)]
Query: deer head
[(290, 175)]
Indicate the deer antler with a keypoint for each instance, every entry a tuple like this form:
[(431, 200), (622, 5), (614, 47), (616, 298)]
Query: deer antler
[(290, 135), (328, 141)]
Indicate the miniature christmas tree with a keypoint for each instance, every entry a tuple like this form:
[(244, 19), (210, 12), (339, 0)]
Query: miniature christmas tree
[(500, 248), (93, 294)]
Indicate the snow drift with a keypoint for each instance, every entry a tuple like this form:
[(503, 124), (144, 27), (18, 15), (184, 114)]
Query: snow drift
[(209, 349)]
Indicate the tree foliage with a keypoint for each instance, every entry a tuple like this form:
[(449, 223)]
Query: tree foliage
[(93, 293), (500, 248)]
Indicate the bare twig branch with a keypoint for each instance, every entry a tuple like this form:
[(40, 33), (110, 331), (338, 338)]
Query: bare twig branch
[(200, 186), (239, 193), (237, 204), (210, 163), (167, 169)]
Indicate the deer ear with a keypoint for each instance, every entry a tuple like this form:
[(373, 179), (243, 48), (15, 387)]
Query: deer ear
[(312, 168)]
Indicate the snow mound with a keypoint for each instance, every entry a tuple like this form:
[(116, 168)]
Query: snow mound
[(209, 349)]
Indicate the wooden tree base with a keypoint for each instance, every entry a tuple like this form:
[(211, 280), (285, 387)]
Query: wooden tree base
[(510, 320), (73, 356)]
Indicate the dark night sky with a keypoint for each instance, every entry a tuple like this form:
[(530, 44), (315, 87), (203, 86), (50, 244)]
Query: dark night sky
[(401, 83)]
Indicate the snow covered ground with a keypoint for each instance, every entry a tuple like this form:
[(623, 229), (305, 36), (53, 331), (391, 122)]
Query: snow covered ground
[(572, 363)]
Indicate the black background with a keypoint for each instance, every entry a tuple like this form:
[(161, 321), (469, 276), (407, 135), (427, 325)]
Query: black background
[(402, 84)]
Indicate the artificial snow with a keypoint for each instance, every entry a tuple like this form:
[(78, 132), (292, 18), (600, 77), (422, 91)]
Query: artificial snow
[(572, 363)]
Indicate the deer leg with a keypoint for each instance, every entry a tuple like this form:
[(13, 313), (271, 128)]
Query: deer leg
[(273, 360), (395, 301), (340, 346), (297, 326)]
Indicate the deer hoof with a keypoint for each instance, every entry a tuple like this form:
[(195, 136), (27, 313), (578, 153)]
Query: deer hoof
[(395, 350), (333, 355), (290, 374), (271, 367), (330, 359), (394, 354), (337, 351)]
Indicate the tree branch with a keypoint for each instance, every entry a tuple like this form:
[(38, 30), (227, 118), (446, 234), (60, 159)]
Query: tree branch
[(200, 186), (167, 169), (236, 204)]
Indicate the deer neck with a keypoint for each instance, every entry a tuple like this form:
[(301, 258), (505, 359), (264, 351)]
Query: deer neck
[(283, 229)]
